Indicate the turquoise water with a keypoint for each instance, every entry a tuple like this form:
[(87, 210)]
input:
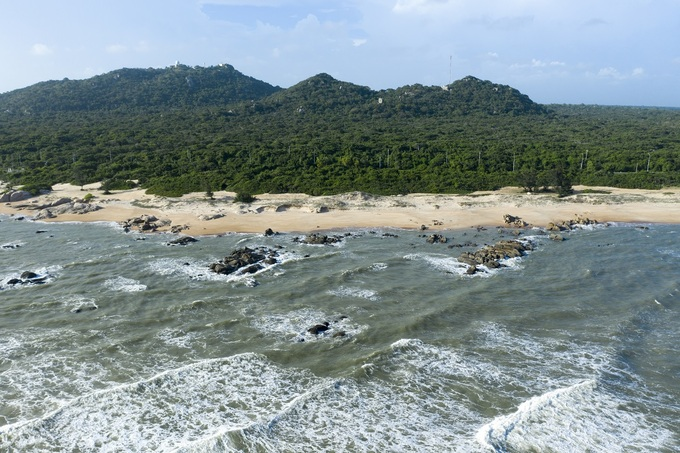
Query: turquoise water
[(130, 344)]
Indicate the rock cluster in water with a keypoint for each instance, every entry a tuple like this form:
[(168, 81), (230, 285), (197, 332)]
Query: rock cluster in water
[(490, 255), (571, 224), (319, 239), (184, 240), (245, 260), (326, 328), (27, 277)]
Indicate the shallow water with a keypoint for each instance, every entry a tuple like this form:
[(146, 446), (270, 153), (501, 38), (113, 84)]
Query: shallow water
[(134, 345)]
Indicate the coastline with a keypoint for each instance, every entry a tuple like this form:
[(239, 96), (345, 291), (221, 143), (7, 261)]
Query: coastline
[(195, 215)]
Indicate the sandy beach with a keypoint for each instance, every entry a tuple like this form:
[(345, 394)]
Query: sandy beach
[(195, 214)]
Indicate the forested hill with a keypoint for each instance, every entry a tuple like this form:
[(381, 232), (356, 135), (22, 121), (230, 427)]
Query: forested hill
[(139, 89), (219, 86), (183, 129)]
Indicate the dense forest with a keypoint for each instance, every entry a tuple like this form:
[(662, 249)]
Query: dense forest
[(186, 129)]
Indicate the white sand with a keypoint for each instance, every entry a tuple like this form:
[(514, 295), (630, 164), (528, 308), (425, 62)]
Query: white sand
[(303, 213)]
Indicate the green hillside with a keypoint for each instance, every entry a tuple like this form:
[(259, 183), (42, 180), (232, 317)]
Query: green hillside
[(182, 129)]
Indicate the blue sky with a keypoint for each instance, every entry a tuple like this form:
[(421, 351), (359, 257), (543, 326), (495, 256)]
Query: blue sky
[(614, 52)]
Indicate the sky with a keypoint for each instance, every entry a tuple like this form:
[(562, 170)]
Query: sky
[(607, 52)]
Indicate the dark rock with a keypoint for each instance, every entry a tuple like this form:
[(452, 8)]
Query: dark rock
[(28, 275), (514, 221), (340, 333), (490, 255), (319, 239), (184, 240), (436, 238), (14, 281), (246, 259), (269, 232), (319, 328)]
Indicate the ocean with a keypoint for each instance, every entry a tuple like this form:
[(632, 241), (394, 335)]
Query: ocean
[(120, 342)]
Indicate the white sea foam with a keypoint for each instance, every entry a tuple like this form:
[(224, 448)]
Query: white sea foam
[(294, 325), (580, 417), (123, 284), (376, 267), (199, 270), (171, 409), (352, 292)]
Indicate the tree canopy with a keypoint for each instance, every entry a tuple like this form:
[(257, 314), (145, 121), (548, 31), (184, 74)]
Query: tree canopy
[(182, 129)]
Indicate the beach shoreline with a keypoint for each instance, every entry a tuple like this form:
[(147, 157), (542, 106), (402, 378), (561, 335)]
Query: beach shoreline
[(195, 214)]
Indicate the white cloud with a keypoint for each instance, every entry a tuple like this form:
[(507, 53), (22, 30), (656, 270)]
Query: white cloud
[(544, 64), (418, 6), (638, 72), (609, 72), (116, 48), (358, 42), (41, 50)]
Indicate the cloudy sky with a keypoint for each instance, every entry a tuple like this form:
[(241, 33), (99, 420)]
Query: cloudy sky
[(618, 52)]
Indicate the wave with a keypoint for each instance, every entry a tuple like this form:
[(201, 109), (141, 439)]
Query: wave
[(580, 417), (123, 284), (172, 408)]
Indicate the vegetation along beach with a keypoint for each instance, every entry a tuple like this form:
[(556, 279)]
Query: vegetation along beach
[(194, 260)]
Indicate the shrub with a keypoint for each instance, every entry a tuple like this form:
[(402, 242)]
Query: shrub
[(244, 197)]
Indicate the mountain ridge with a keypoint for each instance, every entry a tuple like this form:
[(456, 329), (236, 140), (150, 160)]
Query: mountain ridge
[(182, 86)]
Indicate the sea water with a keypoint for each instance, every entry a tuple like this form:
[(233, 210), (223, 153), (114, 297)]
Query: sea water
[(130, 344)]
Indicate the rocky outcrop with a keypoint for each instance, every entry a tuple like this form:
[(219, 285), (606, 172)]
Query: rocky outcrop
[(65, 206), (491, 255), (26, 278), (318, 239), (566, 225), (15, 195), (514, 221), (245, 261), (145, 223), (184, 240), (436, 239)]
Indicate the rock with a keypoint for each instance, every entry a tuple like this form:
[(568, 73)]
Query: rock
[(490, 255), (436, 238), (556, 237), (14, 281), (246, 260), (319, 239), (16, 195), (515, 221), (269, 232), (184, 240), (317, 329), (28, 275), (206, 217)]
